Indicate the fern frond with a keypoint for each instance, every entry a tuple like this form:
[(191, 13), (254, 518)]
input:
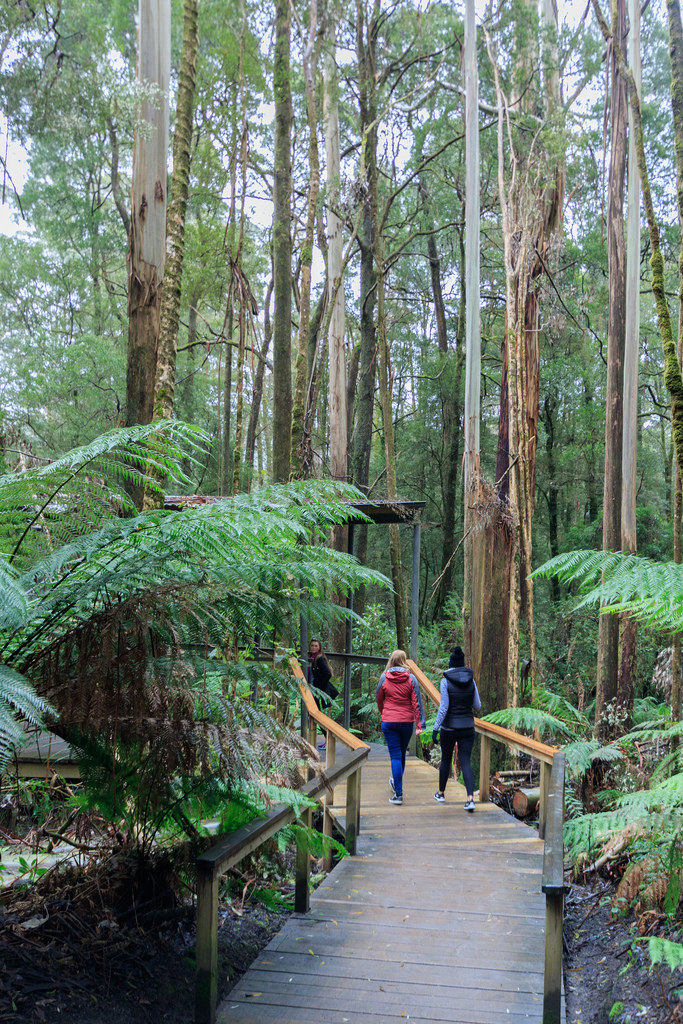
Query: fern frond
[(650, 591), (663, 951), (18, 701), (529, 720)]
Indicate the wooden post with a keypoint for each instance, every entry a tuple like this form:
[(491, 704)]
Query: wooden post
[(552, 991), (331, 752), (352, 810), (484, 769), (553, 887), (206, 946), (302, 899), (543, 801), (328, 799)]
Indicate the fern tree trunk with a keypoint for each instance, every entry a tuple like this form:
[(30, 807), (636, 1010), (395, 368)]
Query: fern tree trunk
[(175, 226)]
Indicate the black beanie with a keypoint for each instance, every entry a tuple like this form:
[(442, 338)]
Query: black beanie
[(457, 658)]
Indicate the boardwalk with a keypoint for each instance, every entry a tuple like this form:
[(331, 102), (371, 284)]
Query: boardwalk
[(440, 917)]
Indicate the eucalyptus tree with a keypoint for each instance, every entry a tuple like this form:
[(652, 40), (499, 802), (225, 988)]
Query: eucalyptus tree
[(147, 244), (282, 245), (177, 208)]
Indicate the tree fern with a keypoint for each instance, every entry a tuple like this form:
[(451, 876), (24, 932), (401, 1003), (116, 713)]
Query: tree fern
[(112, 619), (530, 719), (650, 591)]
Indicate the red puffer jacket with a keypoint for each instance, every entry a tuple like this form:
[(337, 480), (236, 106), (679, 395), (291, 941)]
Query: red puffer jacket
[(396, 697)]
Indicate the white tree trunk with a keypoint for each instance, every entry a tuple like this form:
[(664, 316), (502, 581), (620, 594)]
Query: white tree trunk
[(472, 330), (338, 418), (632, 349)]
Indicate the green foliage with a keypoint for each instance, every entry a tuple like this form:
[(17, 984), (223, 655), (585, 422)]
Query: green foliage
[(650, 591), (112, 620), (18, 702), (663, 951), (550, 714)]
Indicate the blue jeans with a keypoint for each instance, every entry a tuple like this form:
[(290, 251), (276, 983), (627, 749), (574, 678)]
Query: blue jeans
[(397, 735)]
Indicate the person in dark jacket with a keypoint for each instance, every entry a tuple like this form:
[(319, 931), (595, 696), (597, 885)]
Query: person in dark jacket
[(319, 674), (400, 704), (455, 720)]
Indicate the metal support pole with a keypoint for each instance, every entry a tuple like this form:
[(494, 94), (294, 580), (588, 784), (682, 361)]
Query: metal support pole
[(348, 646), (415, 603)]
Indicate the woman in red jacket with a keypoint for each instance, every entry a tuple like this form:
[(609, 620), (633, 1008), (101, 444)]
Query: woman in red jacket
[(400, 704)]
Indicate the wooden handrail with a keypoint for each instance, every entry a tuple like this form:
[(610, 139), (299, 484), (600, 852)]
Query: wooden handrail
[(326, 723), (550, 824), (542, 751)]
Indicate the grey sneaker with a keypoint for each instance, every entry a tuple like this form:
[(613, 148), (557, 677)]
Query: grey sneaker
[(440, 798), (391, 783), (469, 806), (396, 799)]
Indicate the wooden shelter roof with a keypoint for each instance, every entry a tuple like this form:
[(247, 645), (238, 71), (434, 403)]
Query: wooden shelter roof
[(379, 510)]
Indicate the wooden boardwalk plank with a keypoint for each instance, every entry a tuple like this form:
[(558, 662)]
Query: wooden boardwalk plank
[(440, 917)]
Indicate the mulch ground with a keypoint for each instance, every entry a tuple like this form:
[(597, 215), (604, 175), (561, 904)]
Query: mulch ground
[(608, 978), (77, 948)]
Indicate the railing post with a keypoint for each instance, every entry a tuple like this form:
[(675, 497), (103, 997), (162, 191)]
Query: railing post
[(206, 949), (352, 810), (546, 769), (328, 799), (484, 768), (553, 887), (302, 899), (552, 994)]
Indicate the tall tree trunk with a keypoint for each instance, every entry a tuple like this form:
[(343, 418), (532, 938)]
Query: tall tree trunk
[(531, 204), (361, 441), (553, 541), (450, 380), (676, 53), (336, 352), (147, 249), (388, 423), (608, 633), (299, 462), (627, 663), (175, 227), (257, 393), (282, 248)]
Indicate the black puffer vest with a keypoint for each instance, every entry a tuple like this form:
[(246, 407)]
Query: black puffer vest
[(460, 698)]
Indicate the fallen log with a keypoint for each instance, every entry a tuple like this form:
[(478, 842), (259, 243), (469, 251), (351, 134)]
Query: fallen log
[(525, 802)]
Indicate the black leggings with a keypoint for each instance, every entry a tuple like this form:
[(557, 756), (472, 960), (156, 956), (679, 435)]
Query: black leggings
[(465, 740)]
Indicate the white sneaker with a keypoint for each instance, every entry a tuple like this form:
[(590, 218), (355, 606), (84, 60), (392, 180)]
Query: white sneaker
[(440, 798), (395, 799), (469, 806)]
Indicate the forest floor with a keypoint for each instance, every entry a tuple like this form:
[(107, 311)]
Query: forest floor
[(67, 956), (62, 961), (607, 975)]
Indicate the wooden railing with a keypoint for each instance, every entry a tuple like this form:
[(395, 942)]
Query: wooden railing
[(550, 824), (229, 850)]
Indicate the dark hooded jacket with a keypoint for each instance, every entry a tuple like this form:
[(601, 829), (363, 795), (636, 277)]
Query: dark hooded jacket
[(463, 699)]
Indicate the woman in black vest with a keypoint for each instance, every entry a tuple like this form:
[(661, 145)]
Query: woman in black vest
[(459, 701)]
